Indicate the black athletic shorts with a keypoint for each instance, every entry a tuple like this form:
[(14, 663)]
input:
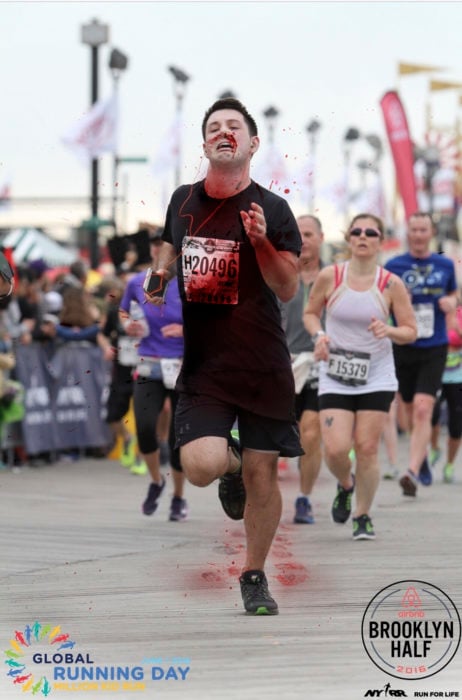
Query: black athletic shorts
[(198, 416), (419, 370), (375, 401), (306, 400)]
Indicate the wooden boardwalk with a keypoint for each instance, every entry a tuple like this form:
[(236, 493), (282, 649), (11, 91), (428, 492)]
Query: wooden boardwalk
[(159, 598)]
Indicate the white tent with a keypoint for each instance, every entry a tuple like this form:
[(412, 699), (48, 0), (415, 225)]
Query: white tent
[(30, 244)]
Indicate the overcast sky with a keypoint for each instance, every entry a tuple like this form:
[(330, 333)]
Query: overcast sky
[(326, 60)]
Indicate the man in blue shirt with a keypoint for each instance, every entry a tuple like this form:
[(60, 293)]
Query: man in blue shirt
[(431, 281)]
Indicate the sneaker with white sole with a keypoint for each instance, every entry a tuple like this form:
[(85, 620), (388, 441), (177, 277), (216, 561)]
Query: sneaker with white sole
[(303, 511), (391, 474), (178, 509), (363, 528)]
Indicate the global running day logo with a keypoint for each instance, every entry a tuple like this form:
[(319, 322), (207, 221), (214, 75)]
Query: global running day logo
[(411, 630), (44, 645)]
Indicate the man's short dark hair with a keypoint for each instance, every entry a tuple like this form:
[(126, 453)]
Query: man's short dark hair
[(422, 215), (231, 103), (313, 218)]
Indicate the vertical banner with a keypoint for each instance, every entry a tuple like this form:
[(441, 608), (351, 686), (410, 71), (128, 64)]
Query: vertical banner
[(401, 148), (65, 396), (37, 425)]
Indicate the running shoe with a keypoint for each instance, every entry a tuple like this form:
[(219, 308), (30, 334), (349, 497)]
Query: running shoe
[(341, 507), (231, 490), (128, 455), (154, 493), (140, 468), (408, 483), (435, 456), (362, 528), (391, 474), (255, 594), (178, 509), (425, 473), (303, 511), (448, 473)]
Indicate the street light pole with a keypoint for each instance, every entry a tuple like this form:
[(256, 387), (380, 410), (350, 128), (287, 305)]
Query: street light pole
[(431, 157), (118, 62), (225, 94), (94, 35), (352, 134), (312, 129), (180, 78), (270, 114)]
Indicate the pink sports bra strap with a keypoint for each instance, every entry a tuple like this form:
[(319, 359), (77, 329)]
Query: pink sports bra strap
[(384, 276), (339, 271)]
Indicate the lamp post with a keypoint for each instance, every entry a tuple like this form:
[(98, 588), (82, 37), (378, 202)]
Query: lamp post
[(312, 129), (271, 114), (226, 93), (375, 142), (118, 62), (431, 158), (94, 35), (180, 79), (351, 135), (364, 166)]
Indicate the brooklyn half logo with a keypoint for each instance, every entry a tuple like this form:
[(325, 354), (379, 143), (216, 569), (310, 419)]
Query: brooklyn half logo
[(411, 630)]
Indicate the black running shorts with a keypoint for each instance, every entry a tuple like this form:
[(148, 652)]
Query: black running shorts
[(198, 416), (375, 401), (419, 370), (306, 400)]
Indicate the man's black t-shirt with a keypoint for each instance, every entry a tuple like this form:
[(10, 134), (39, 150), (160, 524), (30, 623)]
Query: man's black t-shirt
[(235, 348)]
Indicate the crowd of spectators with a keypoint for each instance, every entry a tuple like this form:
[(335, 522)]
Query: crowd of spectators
[(54, 307)]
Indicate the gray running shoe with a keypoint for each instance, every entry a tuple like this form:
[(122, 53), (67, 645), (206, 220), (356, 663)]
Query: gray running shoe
[(362, 528), (341, 507), (178, 509), (255, 594)]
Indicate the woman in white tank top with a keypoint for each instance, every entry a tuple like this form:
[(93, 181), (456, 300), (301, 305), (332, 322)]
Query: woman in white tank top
[(357, 375)]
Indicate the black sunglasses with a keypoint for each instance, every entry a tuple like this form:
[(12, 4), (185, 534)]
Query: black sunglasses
[(370, 232)]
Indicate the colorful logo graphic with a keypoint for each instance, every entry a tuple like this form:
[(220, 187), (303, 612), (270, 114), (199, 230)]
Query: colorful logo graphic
[(39, 646), (411, 630), (23, 643)]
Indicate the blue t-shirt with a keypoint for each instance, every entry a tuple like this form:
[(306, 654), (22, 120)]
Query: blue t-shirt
[(427, 280), (155, 344)]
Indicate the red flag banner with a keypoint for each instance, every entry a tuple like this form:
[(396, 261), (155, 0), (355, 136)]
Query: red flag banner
[(401, 148)]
